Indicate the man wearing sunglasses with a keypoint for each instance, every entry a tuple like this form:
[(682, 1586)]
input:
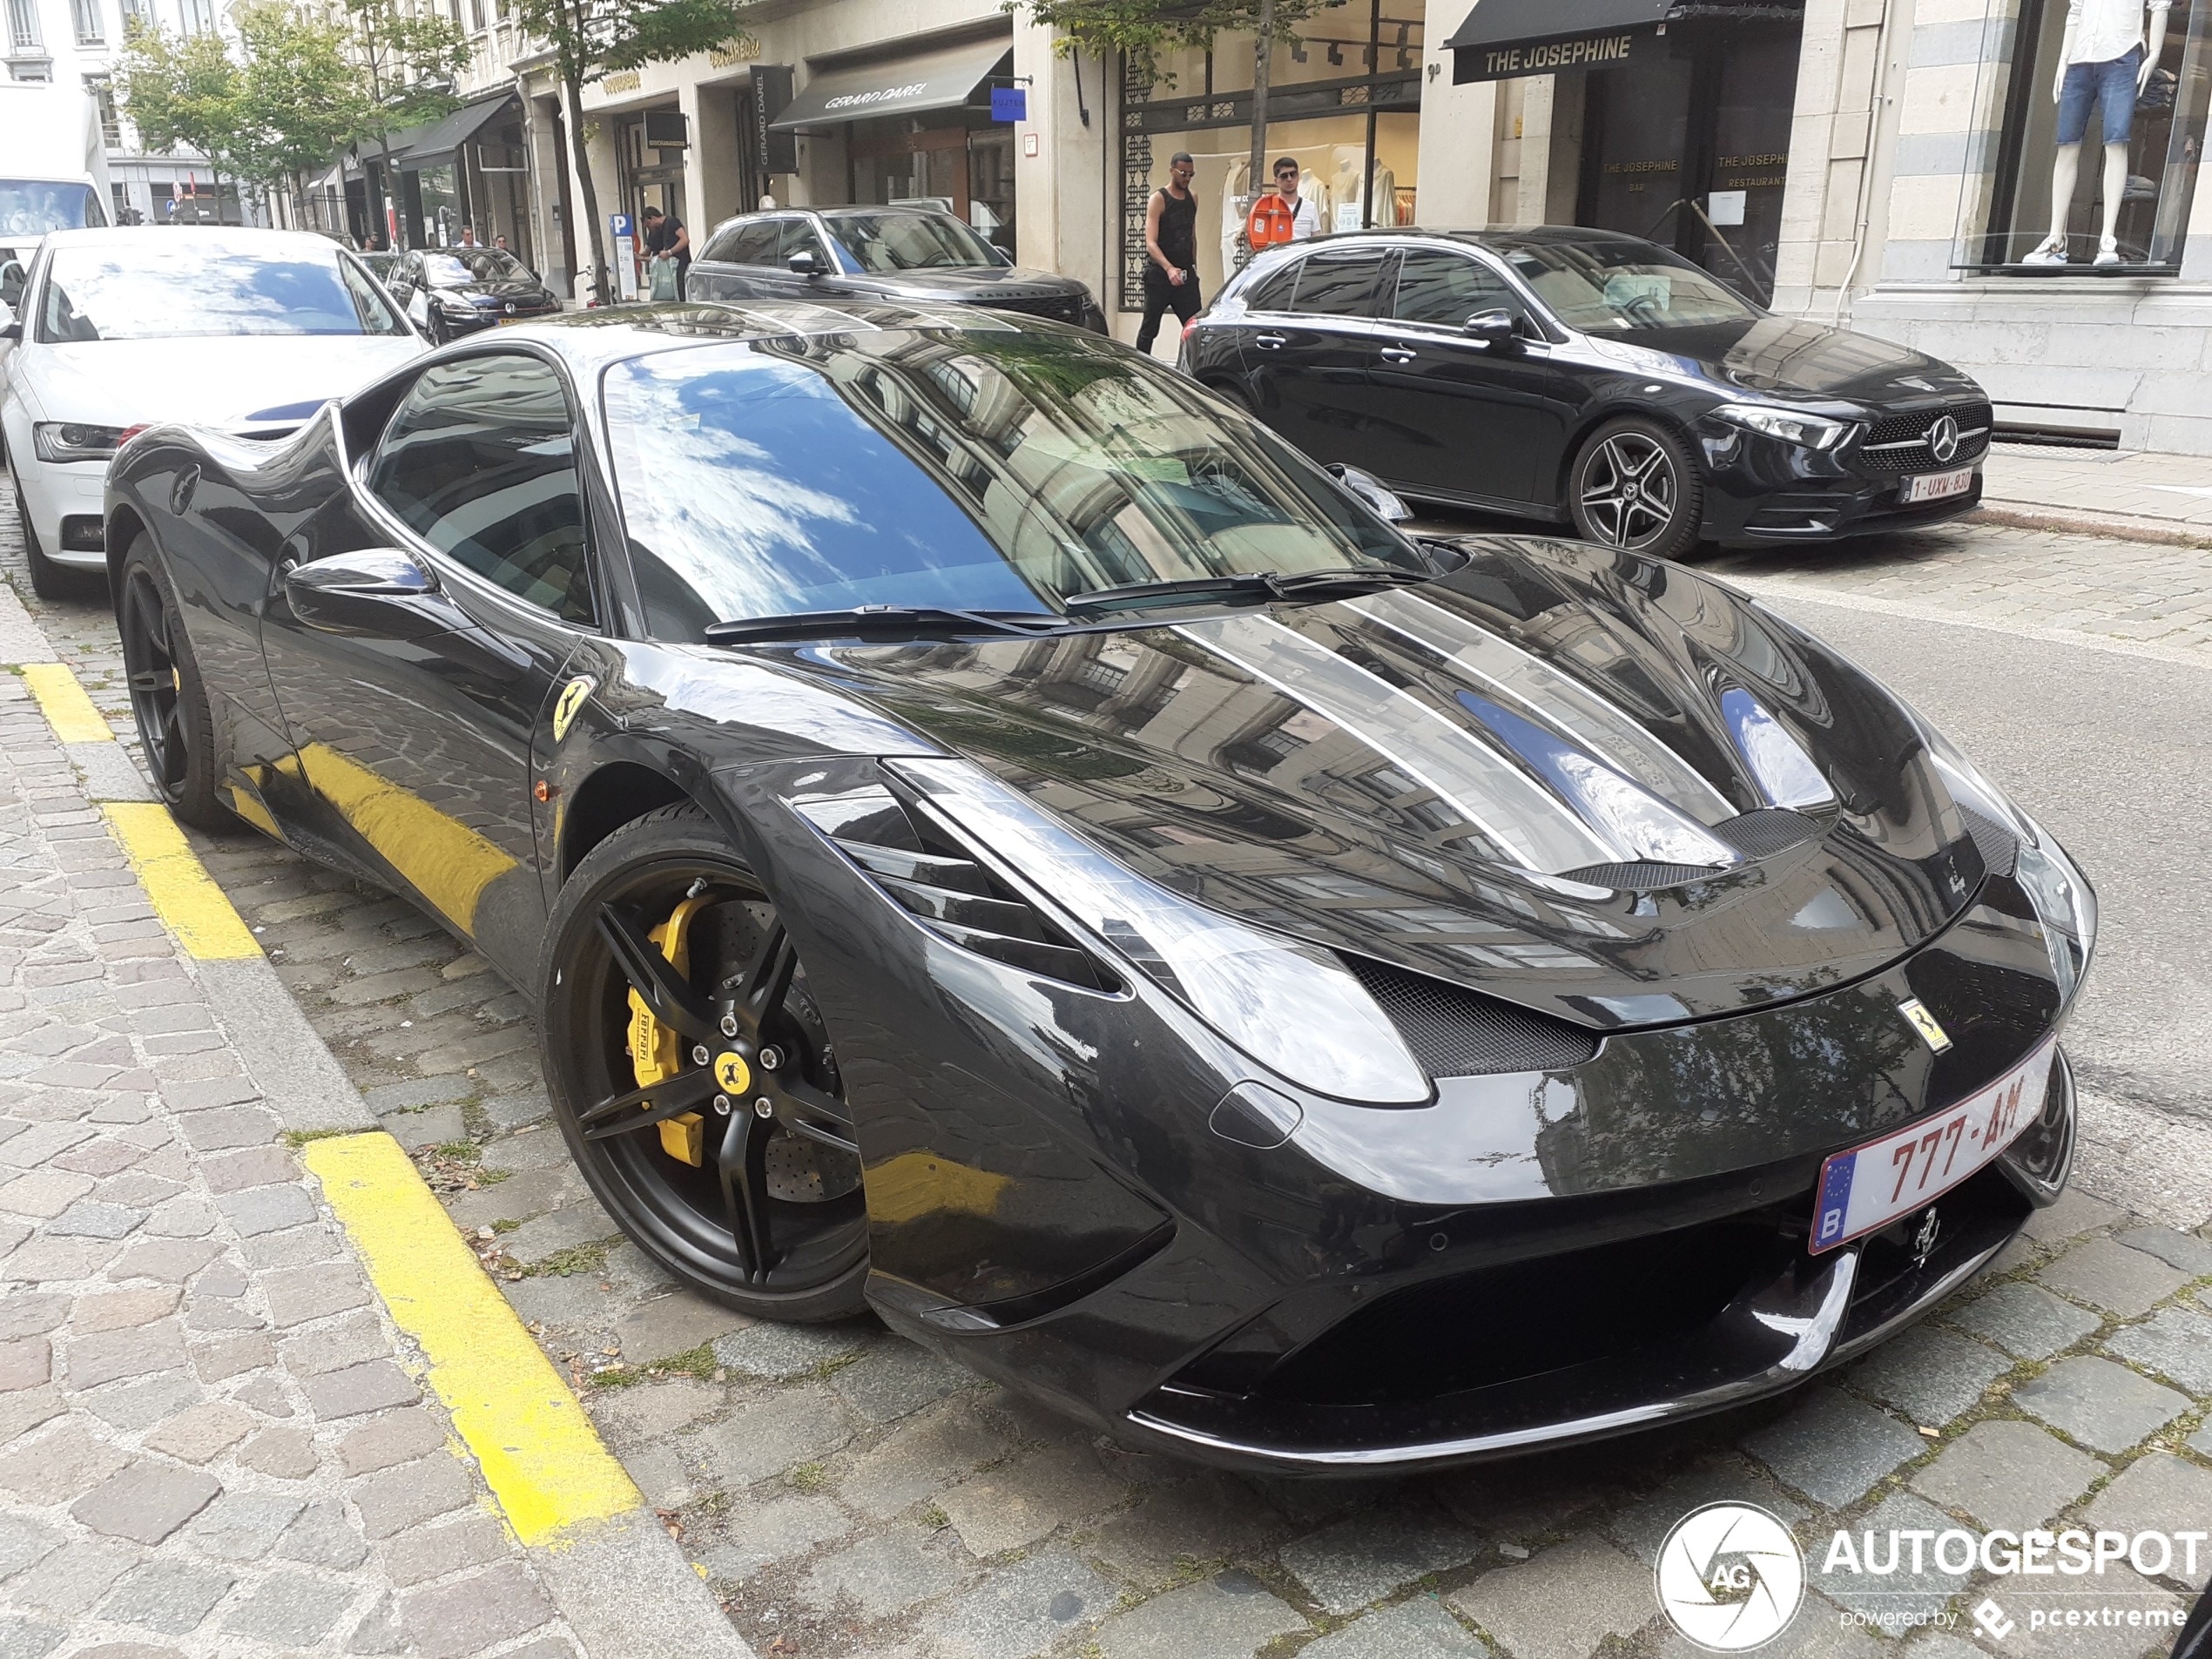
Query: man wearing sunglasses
[(1305, 218)]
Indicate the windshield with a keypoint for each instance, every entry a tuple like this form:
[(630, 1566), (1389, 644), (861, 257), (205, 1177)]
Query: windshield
[(1603, 287), (909, 241), (175, 285), (978, 470), (461, 267), (31, 207)]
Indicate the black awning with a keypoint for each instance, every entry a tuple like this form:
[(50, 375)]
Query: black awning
[(940, 80), (434, 144), (1504, 39)]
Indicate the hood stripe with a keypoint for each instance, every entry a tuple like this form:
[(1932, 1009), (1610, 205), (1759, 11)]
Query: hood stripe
[(1522, 818), (1547, 698)]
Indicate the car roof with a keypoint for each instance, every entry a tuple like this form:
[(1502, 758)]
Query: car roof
[(249, 236)]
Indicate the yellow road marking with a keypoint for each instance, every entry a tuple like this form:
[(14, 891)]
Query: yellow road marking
[(68, 710), (183, 895), (449, 864), (545, 1462)]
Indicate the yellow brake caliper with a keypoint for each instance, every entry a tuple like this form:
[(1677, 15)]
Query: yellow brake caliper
[(655, 1050)]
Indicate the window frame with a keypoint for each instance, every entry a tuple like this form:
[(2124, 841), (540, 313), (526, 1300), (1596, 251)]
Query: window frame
[(1516, 302), (442, 567), (1380, 252)]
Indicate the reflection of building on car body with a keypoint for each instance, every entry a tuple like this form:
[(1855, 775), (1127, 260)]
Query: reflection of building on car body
[(1020, 846)]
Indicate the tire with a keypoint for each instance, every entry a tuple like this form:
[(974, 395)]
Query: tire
[(1234, 396), (168, 699), (1635, 487), (49, 580), (772, 1221)]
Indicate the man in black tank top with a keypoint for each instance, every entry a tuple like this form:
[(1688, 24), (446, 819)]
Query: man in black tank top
[(1171, 251)]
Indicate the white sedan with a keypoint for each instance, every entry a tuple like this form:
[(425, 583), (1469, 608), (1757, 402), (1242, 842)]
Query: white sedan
[(244, 331)]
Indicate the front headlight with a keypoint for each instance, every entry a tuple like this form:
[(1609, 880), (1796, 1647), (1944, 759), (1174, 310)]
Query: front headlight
[(1292, 1006), (68, 441), (1791, 425)]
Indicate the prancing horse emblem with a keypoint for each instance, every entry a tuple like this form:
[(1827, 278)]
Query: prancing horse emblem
[(1925, 1023), (1925, 1240), (572, 695)]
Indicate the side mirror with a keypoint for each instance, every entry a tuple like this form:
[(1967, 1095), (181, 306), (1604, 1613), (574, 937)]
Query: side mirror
[(379, 592), (804, 263), (1378, 497), (1495, 327), (11, 329)]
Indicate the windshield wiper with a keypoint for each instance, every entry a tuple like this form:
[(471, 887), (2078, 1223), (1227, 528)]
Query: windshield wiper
[(1260, 585), (881, 622)]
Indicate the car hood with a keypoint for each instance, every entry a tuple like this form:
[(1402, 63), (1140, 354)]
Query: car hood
[(1439, 778), (975, 284), (1792, 358), (519, 289), (223, 380)]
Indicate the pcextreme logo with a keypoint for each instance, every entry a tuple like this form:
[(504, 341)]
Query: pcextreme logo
[(1729, 1577)]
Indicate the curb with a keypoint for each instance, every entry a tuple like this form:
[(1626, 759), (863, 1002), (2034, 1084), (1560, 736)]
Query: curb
[(614, 1574), (2030, 515)]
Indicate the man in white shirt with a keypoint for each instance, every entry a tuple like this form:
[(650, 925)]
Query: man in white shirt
[(1305, 217)]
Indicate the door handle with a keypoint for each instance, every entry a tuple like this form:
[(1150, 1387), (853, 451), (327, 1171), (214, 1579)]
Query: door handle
[(1398, 354), (1271, 342)]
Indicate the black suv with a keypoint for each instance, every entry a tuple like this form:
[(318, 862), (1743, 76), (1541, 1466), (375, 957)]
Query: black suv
[(1558, 372), (914, 256), (455, 291)]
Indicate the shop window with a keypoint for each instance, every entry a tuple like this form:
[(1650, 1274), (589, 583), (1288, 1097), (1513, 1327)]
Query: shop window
[(2132, 172)]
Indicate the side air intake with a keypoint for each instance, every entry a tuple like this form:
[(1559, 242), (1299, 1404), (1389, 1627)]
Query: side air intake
[(1458, 1033)]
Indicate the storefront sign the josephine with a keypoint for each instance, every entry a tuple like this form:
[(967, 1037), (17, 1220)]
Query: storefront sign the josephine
[(1542, 57)]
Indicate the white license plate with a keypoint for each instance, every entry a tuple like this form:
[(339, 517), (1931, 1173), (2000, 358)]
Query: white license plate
[(1864, 1190), (1934, 486)]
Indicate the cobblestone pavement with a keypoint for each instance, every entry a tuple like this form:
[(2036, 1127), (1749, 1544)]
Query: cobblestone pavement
[(207, 1435), (847, 1494)]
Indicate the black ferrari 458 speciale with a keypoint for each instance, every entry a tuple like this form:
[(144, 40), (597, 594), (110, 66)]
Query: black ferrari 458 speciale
[(995, 835)]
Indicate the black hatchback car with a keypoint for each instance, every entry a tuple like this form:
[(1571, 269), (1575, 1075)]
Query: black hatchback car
[(910, 255), (1566, 374), (451, 291)]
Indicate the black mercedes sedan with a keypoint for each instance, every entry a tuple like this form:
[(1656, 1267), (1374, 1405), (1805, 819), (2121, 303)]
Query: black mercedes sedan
[(993, 834), (1590, 377), (908, 255), (449, 292)]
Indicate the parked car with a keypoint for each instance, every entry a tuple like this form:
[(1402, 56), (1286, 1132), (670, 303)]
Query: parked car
[(247, 331), (1579, 375), (988, 832), (449, 292), (381, 265), (913, 255)]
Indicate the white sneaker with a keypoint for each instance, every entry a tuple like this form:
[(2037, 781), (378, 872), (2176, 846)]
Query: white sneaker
[(2051, 253), (2108, 252)]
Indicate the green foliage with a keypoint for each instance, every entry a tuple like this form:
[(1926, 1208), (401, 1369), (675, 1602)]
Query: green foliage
[(1142, 30), (299, 101), (404, 60), (179, 89)]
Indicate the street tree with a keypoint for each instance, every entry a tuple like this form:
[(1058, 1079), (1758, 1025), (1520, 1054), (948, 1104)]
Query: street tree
[(592, 39), (1142, 30), (407, 58), (299, 101), (180, 89)]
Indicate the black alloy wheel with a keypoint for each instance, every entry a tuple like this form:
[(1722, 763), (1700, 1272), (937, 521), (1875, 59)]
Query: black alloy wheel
[(771, 1219), (167, 699), (48, 579), (1634, 487)]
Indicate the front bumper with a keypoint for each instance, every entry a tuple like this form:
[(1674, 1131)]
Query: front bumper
[(1760, 491), (65, 501), (477, 321)]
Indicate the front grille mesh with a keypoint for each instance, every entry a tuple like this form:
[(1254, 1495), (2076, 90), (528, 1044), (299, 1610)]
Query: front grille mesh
[(1459, 1033), (1640, 876), (1060, 308), (1766, 832), (1905, 428), (2000, 848)]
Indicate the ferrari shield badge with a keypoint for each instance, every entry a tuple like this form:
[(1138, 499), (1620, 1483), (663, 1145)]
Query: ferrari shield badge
[(572, 697), (1923, 1021)]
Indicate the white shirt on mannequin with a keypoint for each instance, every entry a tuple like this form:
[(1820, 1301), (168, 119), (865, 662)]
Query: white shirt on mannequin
[(2106, 30)]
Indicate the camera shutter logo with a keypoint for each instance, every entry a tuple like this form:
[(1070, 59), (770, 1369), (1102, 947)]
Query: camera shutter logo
[(1943, 438), (1729, 1577)]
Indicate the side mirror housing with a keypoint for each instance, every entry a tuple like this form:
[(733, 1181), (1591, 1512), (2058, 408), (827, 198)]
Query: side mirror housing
[(1377, 496), (1495, 327), (804, 263), (11, 329), (379, 592)]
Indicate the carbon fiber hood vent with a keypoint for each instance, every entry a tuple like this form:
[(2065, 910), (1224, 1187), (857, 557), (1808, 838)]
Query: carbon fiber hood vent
[(1455, 1032)]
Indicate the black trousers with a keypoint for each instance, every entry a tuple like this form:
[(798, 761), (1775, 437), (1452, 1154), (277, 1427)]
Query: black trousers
[(1160, 294)]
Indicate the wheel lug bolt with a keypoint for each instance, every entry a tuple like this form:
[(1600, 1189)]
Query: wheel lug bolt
[(721, 1105), (700, 1055), (729, 1025), (771, 1058), (763, 1107)]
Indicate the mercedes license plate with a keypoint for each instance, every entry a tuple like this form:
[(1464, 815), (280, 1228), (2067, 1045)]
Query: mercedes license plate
[(1934, 486), (1864, 1190)]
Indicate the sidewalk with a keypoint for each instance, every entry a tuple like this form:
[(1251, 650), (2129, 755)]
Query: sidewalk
[(256, 1396), (2144, 496)]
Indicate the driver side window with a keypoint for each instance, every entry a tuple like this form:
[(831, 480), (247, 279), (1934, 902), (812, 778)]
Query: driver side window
[(1445, 289), (479, 459)]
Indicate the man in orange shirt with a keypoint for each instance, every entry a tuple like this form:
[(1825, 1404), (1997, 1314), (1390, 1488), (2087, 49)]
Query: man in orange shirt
[(1284, 217)]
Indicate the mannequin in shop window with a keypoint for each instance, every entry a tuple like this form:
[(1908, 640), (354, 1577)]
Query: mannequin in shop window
[(2104, 61)]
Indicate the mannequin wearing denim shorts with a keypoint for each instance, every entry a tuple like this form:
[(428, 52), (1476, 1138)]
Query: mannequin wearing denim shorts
[(2106, 62)]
